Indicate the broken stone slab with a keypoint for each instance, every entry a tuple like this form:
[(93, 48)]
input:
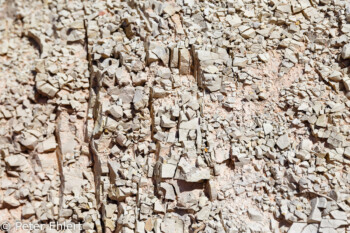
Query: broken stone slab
[(174, 60), (264, 57), (140, 227), (125, 94), (254, 215), (119, 193), (164, 72), (167, 123), (150, 224), (16, 160), (73, 179), (109, 224), (249, 33), (4, 47), (345, 53), (48, 145), (171, 8), (311, 228), (47, 161), (198, 174), (240, 62), (336, 140), (188, 200), (184, 62), (158, 207), (346, 82), (122, 140), (66, 213), (28, 211), (335, 76), (203, 214), (185, 165), (123, 78), (139, 79), (297, 227), (315, 215), (333, 223), (140, 100), (221, 155), (110, 209), (157, 51), (110, 124), (340, 215), (167, 170), (306, 144), (77, 24), (322, 121), (116, 111), (113, 170), (327, 230), (283, 141), (202, 60), (267, 128), (172, 224), (212, 191), (347, 152), (190, 125), (234, 20), (159, 92), (10, 202), (212, 82), (75, 36), (40, 39), (66, 142), (322, 203), (45, 87), (210, 69), (169, 191), (28, 140), (207, 58)]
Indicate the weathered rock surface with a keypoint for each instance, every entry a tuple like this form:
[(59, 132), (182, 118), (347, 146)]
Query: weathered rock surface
[(176, 116)]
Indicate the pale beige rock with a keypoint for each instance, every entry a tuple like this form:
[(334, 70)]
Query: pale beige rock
[(49, 144), (283, 141), (346, 51), (184, 61), (16, 160), (10, 202), (28, 140)]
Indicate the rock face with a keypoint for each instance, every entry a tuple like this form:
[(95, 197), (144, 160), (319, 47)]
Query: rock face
[(176, 116)]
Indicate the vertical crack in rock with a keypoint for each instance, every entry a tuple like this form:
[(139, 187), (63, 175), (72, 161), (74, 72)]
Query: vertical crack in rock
[(93, 116), (60, 164)]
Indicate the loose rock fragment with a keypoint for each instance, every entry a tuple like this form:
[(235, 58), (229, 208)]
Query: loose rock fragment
[(283, 142), (346, 51)]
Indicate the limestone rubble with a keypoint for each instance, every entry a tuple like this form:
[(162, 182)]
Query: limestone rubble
[(176, 116)]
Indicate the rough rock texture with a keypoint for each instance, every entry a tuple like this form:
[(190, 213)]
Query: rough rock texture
[(176, 116)]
